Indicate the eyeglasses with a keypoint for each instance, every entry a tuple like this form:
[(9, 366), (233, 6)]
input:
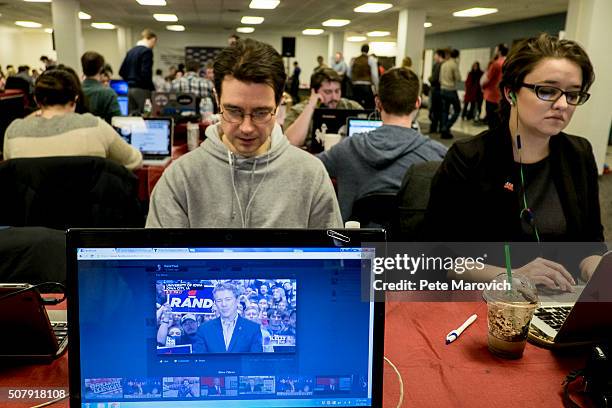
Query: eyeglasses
[(553, 94), (237, 116)]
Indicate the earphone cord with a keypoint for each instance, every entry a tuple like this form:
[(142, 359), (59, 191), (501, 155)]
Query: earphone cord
[(525, 206)]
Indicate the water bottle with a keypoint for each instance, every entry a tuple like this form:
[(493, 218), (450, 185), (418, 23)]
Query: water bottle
[(148, 108), (193, 136)]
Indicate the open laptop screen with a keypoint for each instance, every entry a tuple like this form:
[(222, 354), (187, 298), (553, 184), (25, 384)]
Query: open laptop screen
[(212, 326), (152, 136), (357, 125)]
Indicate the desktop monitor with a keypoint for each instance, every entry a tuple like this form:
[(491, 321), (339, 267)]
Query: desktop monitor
[(217, 318)]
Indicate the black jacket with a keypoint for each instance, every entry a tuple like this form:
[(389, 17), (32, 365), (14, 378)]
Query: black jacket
[(137, 68), (468, 201), (71, 191)]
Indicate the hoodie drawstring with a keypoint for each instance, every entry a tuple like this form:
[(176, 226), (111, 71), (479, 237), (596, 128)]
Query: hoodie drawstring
[(245, 216)]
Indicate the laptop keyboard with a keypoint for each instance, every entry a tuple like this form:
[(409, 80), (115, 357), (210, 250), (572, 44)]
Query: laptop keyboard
[(553, 316), (61, 330)]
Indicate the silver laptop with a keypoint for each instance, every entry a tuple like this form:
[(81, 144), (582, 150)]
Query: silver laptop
[(561, 321), (152, 136)]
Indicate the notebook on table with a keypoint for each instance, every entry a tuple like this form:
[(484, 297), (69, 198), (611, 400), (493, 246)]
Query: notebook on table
[(560, 322), (152, 136), (216, 318), (30, 332)]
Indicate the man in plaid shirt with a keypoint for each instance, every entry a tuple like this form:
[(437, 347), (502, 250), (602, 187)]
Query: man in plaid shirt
[(192, 83)]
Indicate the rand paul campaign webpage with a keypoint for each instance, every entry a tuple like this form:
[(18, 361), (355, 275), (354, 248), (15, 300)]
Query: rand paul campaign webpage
[(262, 326)]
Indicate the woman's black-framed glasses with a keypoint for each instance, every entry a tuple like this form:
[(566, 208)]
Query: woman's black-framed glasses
[(237, 115), (553, 94)]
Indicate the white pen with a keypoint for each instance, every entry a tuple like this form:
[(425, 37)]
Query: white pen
[(452, 336)]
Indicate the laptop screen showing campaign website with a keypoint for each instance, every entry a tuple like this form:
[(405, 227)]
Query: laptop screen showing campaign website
[(223, 326)]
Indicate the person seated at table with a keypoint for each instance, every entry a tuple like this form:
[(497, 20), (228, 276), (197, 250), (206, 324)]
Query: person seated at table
[(101, 100), (325, 92), (56, 130), (526, 180), (375, 162), (246, 174)]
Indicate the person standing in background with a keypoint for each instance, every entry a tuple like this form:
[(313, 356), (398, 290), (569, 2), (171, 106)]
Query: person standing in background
[(473, 94), (490, 85), (449, 77), (364, 75), (294, 87), (137, 70)]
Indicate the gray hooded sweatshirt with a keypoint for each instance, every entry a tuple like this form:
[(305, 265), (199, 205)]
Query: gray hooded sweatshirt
[(376, 162), (211, 187)]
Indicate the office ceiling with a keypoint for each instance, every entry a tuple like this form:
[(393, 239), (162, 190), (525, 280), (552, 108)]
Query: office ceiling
[(290, 15)]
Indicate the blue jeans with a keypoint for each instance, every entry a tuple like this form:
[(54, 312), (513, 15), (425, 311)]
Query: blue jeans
[(449, 98)]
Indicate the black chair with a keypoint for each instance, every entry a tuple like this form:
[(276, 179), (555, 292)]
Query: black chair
[(413, 198), (32, 255), (12, 106), (376, 211), (71, 191)]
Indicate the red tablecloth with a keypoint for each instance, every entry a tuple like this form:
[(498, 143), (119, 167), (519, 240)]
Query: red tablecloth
[(462, 374)]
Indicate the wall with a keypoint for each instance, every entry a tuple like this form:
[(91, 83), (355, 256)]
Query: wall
[(307, 48), (489, 36), (105, 43), (24, 47)]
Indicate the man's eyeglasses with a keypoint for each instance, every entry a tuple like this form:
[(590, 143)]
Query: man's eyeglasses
[(237, 115), (552, 94)]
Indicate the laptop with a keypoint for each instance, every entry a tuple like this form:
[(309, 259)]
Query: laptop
[(359, 125), (175, 104), (560, 322), (146, 308), (334, 121), (152, 136), (119, 86), (30, 332), (123, 105)]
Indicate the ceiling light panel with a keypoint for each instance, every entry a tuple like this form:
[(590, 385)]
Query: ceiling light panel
[(264, 4), (378, 33), (251, 20), (84, 16), (103, 26), (28, 24), (335, 22), (175, 27), (372, 7), (475, 12), (245, 30), (313, 31), (165, 17), (151, 2)]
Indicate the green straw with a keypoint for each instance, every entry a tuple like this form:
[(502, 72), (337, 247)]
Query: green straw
[(508, 264)]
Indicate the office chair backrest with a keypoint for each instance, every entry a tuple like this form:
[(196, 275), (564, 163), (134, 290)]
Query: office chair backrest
[(71, 191), (413, 197), (376, 211)]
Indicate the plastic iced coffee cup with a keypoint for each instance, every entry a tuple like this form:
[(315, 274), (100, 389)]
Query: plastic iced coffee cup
[(509, 315)]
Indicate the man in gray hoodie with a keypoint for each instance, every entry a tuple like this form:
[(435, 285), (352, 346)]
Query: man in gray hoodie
[(375, 162), (246, 174)]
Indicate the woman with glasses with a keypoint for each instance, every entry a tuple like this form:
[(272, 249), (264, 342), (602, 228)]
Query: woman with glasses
[(526, 180)]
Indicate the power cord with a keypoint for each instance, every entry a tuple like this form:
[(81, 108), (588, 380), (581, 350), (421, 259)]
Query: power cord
[(401, 382), (53, 401)]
